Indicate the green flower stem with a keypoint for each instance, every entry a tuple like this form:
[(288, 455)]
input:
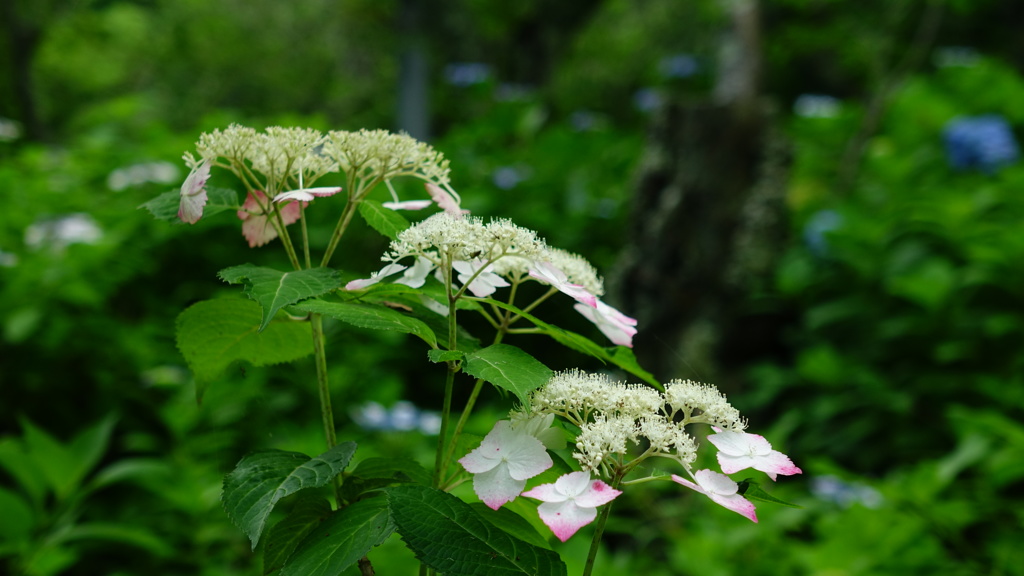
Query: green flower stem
[(449, 382), (343, 221), (602, 519), (316, 321), (464, 417)]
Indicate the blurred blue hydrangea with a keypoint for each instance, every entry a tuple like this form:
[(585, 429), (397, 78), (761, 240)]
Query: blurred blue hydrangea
[(467, 73), (845, 494), (678, 66), (402, 417), (983, 142), (816, 229)]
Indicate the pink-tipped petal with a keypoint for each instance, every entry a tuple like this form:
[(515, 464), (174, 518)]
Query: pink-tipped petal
[(722, 490), (740, 450), (408, 205), (256, 224), (549, 274), (444, 200), (307, 194), (375, 277), (597, 494), (496, 487), (546, 493), (565, 518), (193, 193), (615, 325)]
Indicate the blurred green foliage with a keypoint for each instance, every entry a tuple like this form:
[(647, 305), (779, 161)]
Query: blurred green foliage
[(901, 384)]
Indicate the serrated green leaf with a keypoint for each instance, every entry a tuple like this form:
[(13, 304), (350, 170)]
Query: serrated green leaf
[(448, 535), (274, 289), (262, 478), (373, 316), (282, 540), (509, 368), (214, 333), (439, 356), (341, 540), (165, 206), (383, 220), (511, 523), (617, 355), (752, 491), (375, 473)]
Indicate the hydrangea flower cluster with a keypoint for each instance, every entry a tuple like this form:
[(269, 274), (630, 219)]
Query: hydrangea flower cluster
[(620, 425), (497, 254), (279, 166)]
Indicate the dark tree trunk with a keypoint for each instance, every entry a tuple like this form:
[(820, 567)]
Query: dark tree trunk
[(23, 39), (707, 225)]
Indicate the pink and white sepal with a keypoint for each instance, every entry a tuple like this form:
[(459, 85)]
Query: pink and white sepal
[(571, 502), (740, 450), (503, 462), (722, 490)]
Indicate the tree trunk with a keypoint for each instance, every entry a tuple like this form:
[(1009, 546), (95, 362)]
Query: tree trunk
[(707, 225)]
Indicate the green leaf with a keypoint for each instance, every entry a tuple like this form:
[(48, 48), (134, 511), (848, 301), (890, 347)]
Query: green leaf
[(285, 536), (262, 478), (373, 316), (64, 467), (120, 534), (511, 523), (214, 333), (383, 220), (274, 289), (620, 356), (439, 356), (508, 367), (341, 540), (17, 521), (752, 491), (23, 468), (448, 535), (165, 206), (374, 473)]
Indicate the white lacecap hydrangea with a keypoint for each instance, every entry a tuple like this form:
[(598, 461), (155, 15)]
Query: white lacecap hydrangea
[(465, 239), (669, 438), (385, 155), (602, 438), (685, 396)]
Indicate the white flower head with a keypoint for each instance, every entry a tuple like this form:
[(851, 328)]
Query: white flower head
[(686, 396)]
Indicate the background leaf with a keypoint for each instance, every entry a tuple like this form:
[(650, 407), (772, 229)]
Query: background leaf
[(214, 333), (509, 368), (448, 535), (384, 220), (341, 540), (273, 289), (262, 478)]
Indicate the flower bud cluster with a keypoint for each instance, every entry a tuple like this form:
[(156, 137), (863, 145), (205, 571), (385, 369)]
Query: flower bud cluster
[(612, 416), (288, 157), (465, 239)]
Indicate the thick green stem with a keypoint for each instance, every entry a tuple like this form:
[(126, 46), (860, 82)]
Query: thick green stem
[(602, 519)]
